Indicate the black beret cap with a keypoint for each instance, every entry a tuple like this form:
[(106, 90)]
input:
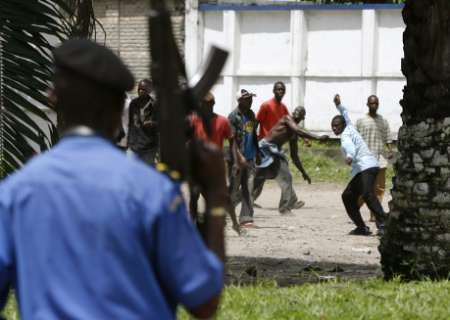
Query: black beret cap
[(95, 62)]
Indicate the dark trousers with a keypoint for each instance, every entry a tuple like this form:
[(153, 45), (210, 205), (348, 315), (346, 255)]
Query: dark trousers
[(193, 201), (241, 186), (363, 185), (149, 156), (284, 179)]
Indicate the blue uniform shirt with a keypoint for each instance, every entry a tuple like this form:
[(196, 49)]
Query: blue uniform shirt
[(249, 138), (87, 233), (353, 146)]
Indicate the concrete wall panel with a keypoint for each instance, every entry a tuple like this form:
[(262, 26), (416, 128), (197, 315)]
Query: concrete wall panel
[(334, 42), (390, 92), (213, 32), (267, 47), (222, 98), (262, 87), (319, 104), (390, 43)]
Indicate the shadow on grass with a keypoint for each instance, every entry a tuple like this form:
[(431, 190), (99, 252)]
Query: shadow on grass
[(286, 272)]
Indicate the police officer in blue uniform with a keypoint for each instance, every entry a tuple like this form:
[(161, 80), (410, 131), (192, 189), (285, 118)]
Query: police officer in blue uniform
[(87, 233)]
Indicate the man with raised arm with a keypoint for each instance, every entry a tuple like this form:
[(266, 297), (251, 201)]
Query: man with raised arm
[(365, 168), (89, 233), (274, 164)]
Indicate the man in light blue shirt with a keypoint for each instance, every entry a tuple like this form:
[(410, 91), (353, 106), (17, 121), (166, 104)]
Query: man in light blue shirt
[(87, 233), (364, 171)]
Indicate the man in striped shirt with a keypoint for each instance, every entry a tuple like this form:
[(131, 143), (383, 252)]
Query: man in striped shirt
[(374, 129)]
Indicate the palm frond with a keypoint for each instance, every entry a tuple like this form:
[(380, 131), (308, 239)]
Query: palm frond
[(29, 30)]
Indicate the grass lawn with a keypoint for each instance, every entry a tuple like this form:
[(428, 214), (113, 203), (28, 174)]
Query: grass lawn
[(324, 163), (370, 299)]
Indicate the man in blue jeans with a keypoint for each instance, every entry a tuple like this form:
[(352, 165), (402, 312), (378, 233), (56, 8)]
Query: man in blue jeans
[(88, 233), (365, 168)]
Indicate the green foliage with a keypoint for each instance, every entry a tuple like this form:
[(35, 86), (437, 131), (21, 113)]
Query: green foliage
[(28, 32), (11, 311), (335, 300), (324, 163), (371, 299)]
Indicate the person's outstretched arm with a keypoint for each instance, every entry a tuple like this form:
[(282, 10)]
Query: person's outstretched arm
[(388, 140), (348, 147), (189, 268), (342, 109), (293, 146), (303, 132), (209, 171)]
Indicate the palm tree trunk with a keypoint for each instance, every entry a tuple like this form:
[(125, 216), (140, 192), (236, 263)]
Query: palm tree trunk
[(417, 240)]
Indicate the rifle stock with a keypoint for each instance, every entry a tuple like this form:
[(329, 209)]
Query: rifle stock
[(169, 95), (174, 98)]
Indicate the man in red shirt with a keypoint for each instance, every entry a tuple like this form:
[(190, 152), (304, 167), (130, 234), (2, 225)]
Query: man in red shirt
[(268, 116), (220, 130), (272, 110), (220, 126)]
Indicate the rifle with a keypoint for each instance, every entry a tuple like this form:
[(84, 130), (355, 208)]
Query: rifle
[(175, 99)]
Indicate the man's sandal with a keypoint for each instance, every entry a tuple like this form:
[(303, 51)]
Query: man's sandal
[(248, 225)]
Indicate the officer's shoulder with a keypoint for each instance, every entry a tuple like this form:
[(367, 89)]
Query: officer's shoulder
[(34, 170), (141, 170)]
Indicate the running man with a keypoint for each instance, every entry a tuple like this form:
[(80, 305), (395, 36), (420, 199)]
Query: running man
[(274, 164)]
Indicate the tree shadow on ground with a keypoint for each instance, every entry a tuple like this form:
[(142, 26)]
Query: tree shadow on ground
[(286, 272)]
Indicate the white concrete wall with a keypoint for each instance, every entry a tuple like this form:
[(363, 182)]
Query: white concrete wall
[(317, 53)]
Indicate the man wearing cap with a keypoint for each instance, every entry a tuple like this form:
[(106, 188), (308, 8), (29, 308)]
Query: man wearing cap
[(244, 153), (142, 124), (88, 233), (220, 130), (274, 164)]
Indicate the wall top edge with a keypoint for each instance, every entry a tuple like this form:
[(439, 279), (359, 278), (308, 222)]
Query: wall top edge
[(299, 6)]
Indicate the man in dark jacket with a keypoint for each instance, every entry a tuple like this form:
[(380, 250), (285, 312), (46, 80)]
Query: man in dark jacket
[(142, 125), (245, 151)]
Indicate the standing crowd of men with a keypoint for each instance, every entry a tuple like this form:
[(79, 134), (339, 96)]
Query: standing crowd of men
[(87, 232), (253, 158), (256, 149)]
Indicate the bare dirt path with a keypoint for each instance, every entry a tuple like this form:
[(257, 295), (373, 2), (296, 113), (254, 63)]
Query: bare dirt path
[(310, 245)]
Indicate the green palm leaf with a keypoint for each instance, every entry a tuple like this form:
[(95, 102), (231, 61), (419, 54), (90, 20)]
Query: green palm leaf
[(29, 30)]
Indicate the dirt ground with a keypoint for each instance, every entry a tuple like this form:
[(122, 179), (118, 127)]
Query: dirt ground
[(310, 245)]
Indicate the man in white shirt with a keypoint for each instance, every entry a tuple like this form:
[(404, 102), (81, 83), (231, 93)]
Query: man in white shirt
[(365, 168)]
